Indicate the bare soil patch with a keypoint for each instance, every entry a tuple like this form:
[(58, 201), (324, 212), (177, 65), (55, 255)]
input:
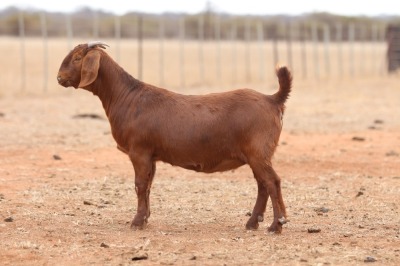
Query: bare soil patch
[(67, 194)]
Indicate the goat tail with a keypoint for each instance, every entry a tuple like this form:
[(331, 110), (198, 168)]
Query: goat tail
[(285, 84)]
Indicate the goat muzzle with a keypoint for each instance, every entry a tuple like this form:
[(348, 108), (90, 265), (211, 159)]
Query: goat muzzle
[(62, 81)]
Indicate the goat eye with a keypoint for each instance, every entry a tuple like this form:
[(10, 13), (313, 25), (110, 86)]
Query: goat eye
[(77, 59)]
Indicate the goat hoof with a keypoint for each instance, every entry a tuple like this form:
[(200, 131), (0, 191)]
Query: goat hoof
[(137, 227), (252, 225), (275, 228), (138, 223), (283, 220)]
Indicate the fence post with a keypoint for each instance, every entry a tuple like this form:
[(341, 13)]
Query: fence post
[(201, 47), (182, 49), (68, 24), (339, 41), (140, 46), (289, 44), (382, 37), (374, 41), (247, 51), (351, 34), (303, 37), (95, 24), (234, 52), (161, 50), (364, 43), (117, 31), (21, 26), (218, 44), (260, 35), (314, 34), (275, 46), (45, 55), (327, 40)]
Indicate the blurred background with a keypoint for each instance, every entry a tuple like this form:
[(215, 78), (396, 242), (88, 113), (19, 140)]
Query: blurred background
[(183, 45)]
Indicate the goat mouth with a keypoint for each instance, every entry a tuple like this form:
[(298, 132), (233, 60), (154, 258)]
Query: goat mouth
[(65, 83), (61, 81)]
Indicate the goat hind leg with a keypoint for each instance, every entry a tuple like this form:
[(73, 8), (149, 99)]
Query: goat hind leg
[(280, 202), (259, 208), (265, 174), (274, 187)]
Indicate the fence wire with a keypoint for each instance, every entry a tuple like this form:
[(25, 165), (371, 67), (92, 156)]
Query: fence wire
[(207, 50)]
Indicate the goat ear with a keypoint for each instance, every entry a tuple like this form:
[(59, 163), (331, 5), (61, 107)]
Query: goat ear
[(90, 68)]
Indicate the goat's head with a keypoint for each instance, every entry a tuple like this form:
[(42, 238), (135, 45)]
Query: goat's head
[(80, 67)]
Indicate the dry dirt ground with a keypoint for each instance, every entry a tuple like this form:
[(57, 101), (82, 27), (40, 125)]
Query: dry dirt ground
[(67, 194)]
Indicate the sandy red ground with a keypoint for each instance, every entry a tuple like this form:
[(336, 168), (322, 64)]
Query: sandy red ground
[(67, 194)]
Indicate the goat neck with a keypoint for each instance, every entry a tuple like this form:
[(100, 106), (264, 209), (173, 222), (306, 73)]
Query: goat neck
[(113, 84)]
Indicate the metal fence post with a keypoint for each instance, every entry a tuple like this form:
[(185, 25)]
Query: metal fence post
[(21, 25)]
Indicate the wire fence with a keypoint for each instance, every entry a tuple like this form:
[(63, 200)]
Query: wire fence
[(231, 54)]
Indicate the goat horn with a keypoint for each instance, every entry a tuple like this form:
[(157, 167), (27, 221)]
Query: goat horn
[(97, 43)]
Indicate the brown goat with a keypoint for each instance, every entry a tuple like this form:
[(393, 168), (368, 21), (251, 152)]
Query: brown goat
[(204, 133)]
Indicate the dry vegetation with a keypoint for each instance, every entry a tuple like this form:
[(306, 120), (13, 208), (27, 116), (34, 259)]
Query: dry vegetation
[(67, 194)]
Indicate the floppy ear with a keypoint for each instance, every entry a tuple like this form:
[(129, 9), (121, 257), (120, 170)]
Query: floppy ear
[(90, 68)]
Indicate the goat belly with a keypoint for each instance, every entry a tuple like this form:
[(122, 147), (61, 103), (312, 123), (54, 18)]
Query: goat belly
[(211, 167)]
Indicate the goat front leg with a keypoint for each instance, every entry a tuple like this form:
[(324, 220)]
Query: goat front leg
[(144, 174), (259, 208)]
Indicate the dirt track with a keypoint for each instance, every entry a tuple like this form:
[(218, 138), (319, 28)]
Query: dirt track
[(67, 194)]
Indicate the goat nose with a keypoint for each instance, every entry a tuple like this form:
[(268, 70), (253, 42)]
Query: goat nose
[(61, 80)]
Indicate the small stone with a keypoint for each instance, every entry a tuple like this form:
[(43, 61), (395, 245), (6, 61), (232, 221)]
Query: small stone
[(85, 202), (369, 259), (103, 245), (358, 138), (107, 201), (193, 258), (360, 193), (9, 219), (313, 230), (248, 213), (140, 257), (56, 157), (378, 121), (392, 153), (91, 116), (322, 210)]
